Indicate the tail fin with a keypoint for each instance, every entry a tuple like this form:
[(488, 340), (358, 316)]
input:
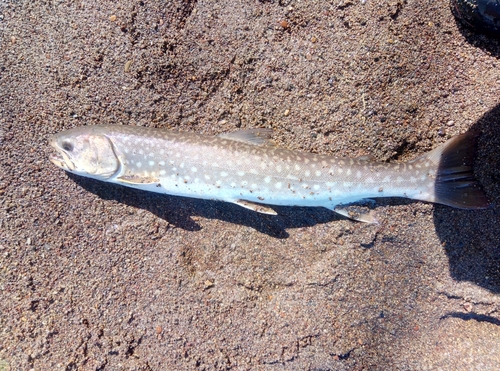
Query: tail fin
[(455, 184)]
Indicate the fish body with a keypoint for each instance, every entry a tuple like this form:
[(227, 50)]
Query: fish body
[(247, 169)]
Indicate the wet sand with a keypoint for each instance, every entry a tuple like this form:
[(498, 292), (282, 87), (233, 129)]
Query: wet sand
[(100, 277)]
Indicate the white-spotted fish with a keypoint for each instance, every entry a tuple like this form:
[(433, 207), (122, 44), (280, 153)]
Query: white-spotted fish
[(245, 168)]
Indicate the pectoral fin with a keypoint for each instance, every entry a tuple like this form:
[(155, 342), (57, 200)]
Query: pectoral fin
[(354, 212), (137, 179), (263, 209)]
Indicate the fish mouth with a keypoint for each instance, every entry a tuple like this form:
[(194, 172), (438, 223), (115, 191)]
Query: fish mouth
[(58, 160)]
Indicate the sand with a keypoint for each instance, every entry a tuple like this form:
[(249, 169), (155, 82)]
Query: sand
[(100, 277)]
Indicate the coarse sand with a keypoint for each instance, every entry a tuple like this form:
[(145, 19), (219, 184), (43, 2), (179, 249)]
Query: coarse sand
[(100, 277)]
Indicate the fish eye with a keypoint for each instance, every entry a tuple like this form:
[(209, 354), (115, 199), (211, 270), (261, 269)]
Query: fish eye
[(67, 146)]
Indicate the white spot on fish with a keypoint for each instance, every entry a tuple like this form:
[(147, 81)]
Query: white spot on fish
[(358, 174), (253, 171), (233, 184), (162, 172), (141, 152), (279, 169), (278, 185), (348, 172), (307, 173), (151, 163), (223, 174), (267, 179), (161, 163), (194, 169), (253, 186), (340, 170), (297, 167), (318, 173), (138, 164), (316, 187), (151, 154), (207, 177), (181, 165), (241, 173)]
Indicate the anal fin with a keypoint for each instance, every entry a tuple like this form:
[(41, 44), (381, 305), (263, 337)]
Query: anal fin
[(137, 179), (263, 209), (360, 214)]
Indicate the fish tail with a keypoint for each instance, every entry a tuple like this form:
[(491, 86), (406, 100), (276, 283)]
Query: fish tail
[(454, 181)]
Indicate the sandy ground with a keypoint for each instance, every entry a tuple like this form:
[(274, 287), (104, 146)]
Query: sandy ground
[(99, 277)]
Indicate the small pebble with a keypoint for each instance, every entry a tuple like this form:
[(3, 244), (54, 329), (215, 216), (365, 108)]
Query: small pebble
[(450, 123), (314, 39), (287, 112), (284, 24), (112, 18), (127, 66)]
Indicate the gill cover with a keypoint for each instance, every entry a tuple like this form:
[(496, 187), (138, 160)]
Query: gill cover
[(102, 156)]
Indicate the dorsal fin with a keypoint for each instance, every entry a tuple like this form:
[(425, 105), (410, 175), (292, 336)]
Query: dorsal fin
[(257, 137), (368, 158)]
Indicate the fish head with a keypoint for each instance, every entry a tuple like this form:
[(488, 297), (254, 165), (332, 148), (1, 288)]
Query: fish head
[(85, 151)]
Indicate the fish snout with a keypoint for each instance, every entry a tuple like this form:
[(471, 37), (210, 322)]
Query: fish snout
[(58, 157)]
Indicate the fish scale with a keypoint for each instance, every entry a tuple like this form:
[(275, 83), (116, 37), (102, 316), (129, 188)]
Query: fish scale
[(245, 168)]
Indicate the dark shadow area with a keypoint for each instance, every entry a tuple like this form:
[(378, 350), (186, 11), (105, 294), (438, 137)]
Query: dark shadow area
[(471, 238), (477, 38), (473, 316), (178, 211)]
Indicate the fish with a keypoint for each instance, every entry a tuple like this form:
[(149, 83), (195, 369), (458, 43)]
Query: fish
[(246, 168)]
